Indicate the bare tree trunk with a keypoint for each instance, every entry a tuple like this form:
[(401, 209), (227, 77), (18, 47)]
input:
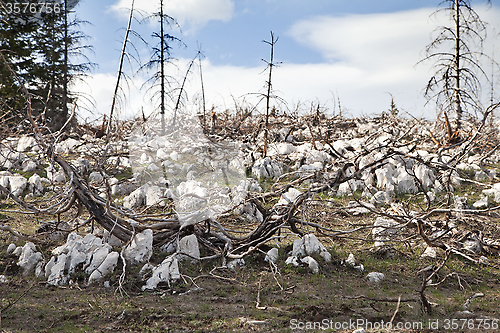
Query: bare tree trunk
[(202, 91), (162, 71), (456, 90), (120, 68), (268, 95), (65, 67)]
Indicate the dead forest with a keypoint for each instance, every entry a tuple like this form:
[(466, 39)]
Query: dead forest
[(264, 201)]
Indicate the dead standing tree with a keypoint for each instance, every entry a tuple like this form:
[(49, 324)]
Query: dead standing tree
[(123, 54), (269, 87), (160, 56), (456, 50)]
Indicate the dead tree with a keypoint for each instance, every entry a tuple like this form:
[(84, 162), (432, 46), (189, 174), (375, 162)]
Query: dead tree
[(456, 52)]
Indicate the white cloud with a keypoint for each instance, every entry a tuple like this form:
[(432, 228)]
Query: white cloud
[(366, 57), (384, 48), (190, 14)]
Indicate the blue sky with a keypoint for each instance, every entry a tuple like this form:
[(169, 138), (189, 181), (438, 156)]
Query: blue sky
[(357, 51)]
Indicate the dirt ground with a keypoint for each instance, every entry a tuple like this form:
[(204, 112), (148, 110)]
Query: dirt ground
[(338, 298)]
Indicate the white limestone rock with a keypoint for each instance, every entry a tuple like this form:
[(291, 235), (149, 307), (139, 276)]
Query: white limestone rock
[(25, 143), (111, 239), (75, 258), (67, 146), (272, 255), (154, 196), (17, 185), (481, 203), (17, 252), (288, 197), (347, 188), (313, 264), (174, 156), (406, 183), (11, 248), (96, 259), (189, 248), (59, 177), (481, 176), (145, 270), (81, 165), (351, 261), (430, 252), (29, 259), (140, 249), (106, 268), (310, 245), (381, 198), (385, 229), (316, 166), (292, 260), (266, 168), (28, 165), (375, 277), (167, 271), (153, 168), (35, 185), (57, 265), (385, 177), (95, 178), (161, 154), (136, 199), (236, 263), (282, 148), (426, 176)]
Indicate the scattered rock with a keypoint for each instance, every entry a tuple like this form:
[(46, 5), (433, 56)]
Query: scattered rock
[(385, 230), (272, 255), (17, 185), (351, 261), (266, 168), (310, 245), (81, 165), (29, 259), (236, 263), (313, 264), (11, 248), (136, 199), (105, 269), (430, 252), (95, 178), (381, 198), (25, 143), (167, 271), (375, 277), (289, 196), (29, 165), (292, 260), (481, 203), (140, 249), (189, 248), (154, 196), (359, 330), (35, 185), (66, 146)]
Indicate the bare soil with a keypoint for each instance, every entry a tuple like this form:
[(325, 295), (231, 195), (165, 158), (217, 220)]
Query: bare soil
[(226, 301)]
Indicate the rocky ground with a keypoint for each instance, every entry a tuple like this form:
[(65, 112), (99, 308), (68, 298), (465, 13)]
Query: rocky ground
[(229, 228)]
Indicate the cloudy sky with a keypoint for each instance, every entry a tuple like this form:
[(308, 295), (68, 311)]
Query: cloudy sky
[(358, 52)]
